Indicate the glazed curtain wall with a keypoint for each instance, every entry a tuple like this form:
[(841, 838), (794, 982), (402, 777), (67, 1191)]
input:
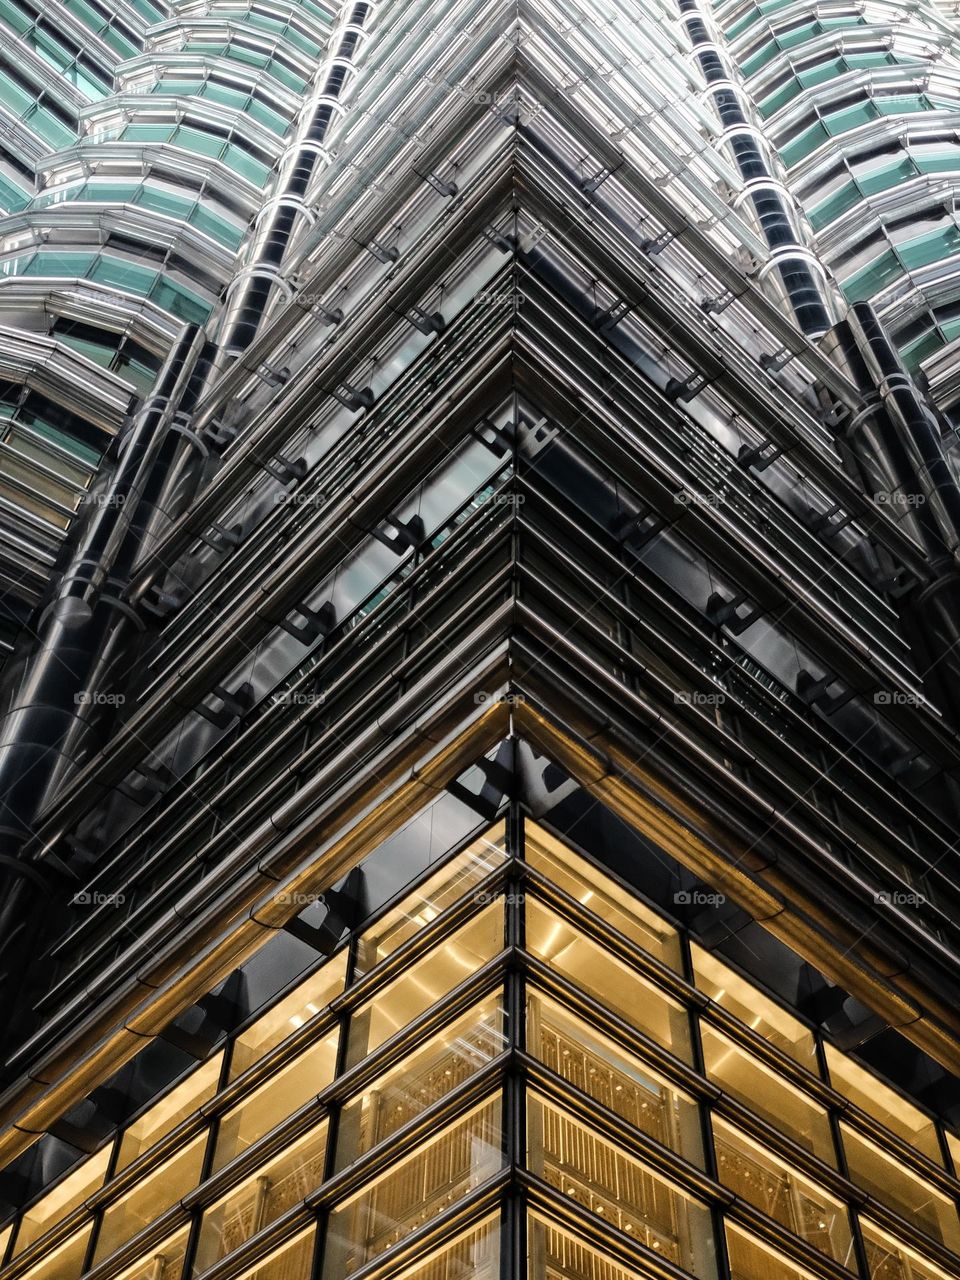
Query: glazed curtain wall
[(519, 1068)]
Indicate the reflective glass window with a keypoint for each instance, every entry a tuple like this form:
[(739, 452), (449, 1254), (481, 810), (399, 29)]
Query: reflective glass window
[(758, 1087), (414, 1190), (472, 1255), (609, 1074), (69, 1192), (65, 1262), (556, 1254), (568, 951), (289, 1014), (162, 1262), (891, 1259), (150, 1198), (601, 895), (751, 1260), (612, 1184), (292, 1262), (883, 1103), (165, 1115)]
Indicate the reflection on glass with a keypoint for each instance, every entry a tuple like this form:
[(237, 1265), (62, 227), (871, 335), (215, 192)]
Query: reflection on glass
[(580, 960), (261, 1198), (452, 882), (69, 1192), (754, 1084), (556, 1254), (745, 1002), (293, 1262), (166, 1114), (415, 1190), (953, 1146), (282, 1094), (751, 1260), (607, 1181), (302, 1004), (164, 1262), (425, 982), (878, 1100), (614, 1077), (151, 1197), (900, 1189), (781, 1192), (448, 1059), (890, 1259), (475, 1255), (65, 1262), (600, 894)]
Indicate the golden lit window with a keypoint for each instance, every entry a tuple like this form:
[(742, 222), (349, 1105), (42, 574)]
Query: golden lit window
[(65, 1262), (779, 1191), (420, 986), (556, 1254), (414, 1190), (151, 1197), (613, 1077), (293, 1262), (891, 1259), (448, 885), (758, 1087), (610, 1183), (871, 1095), (67, 1195), (283, 1093), (447, 1060), (760, 1014), (900, 1189), (751, 1260), (953, 1146), (261, 1198), (582, 961), (289, 1014), (165, 1115), (600, 894), (162, 1262), (472, 1255)]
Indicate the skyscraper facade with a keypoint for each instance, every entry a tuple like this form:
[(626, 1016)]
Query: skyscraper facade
[(478, 727)]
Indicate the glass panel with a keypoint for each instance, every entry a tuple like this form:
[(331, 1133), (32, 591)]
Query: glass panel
[(162, 1263), (293, 1262), (580, 960), (781, 1192), (744, 1001), (66, 1261), (414, 1190), (614, 1077), (259, 1200), (69, 1192), (446, 1061), (608, 1182), (303, 1003), (900, 1189), (555, 1254), (279, 1097), (166, 1114), (880, 1101), (601, 895), (780, 1103), (751, 1260), (890, 1259), (451, 883), (953, 1145), (426, 982), (150, 1198), (475, 1255)]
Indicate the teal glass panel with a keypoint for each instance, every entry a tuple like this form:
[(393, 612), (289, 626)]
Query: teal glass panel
[(204, 144), (98, 352), (271, 120), (12, 199), (937, 162), (147, 133), (786, 93), (119, 43), (890, 175), (766, 54), (896, 104), (934, 247), (244, 164), (14, 17), (839, 203), (59, 264), (869, 282), (828, 70), (211, 225), (128, 276), (179, 302), (805, 143), (850, 118), (164, 202), (918, 350)]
